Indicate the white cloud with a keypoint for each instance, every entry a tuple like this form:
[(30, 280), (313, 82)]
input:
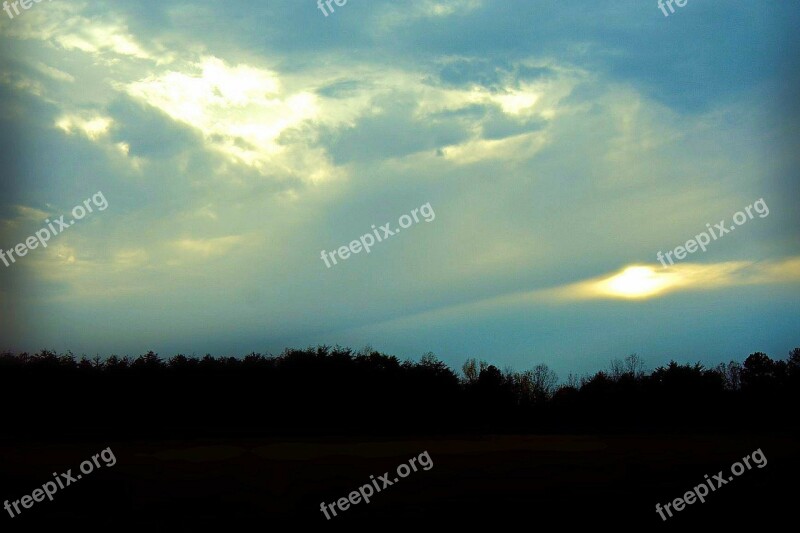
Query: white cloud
[(54, 73), (211, 247), (518, 147), (240, 111), (425, 9), (93, 126), (63, 26)]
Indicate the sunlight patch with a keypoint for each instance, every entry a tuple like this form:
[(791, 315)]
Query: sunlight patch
[(238, 109)]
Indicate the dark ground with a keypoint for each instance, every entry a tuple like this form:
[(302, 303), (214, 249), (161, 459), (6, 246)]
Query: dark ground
[(534, 481)]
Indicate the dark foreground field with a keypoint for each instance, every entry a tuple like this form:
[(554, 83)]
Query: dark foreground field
[(552, 480)]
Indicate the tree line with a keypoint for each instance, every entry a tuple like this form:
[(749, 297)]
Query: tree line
[(333, 390)]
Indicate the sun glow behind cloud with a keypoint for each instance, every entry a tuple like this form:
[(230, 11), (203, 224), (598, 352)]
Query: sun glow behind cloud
[(632, 283), (636, 282), (642, 282)]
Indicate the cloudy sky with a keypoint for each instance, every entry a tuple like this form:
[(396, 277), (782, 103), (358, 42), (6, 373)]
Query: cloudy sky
[(561, 144)]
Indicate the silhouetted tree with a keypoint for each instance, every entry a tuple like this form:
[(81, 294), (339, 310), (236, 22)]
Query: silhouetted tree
[(759, 372), (472, 369), (634, 366), (731, 374), (543, 382)]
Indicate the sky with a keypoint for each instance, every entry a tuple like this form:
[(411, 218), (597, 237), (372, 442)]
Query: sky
[(551, 149)]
